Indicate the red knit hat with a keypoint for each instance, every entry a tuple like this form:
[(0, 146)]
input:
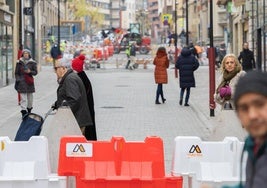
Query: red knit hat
[(77, 63)]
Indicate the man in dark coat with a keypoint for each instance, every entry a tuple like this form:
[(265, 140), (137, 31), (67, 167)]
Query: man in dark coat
[(72, 90), (246, 58), (186, 64), (25, 69)]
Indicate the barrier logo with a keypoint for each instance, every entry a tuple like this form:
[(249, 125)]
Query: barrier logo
[(79, 149), (195, 151), (2, 146)]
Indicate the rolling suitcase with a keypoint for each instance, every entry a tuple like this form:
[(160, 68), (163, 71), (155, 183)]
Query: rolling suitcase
[(31, 125)]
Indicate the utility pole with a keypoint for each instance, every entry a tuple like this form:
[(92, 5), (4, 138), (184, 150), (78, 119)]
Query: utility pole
[(58, 23), (187, 22), (176, 39), (211, 65)]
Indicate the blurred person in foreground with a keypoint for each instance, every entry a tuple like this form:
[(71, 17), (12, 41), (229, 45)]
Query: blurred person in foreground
[(161, 63), (250, 100), (78, 67), (72, 91)]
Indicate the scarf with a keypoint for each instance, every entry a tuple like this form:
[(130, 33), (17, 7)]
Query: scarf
[(227, 77)]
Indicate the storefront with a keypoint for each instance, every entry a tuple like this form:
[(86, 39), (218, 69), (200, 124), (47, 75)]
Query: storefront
[(6, 48)]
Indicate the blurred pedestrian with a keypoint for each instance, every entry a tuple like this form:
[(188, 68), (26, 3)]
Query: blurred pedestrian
[(20, 50), (221, 52), (231, 72), (78, 67), (193, 50), (72, 91), (161, 63), (250, 100), (133, 56), (25, 69), (186, 64), (127, 52), (55, 53), (246, 58)]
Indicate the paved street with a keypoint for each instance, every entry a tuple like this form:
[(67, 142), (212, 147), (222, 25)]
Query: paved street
[(125, 105)]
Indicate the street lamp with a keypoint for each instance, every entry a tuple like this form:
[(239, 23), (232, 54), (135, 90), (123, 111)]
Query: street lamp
[(176, 38), (58, 23), (187, 22)]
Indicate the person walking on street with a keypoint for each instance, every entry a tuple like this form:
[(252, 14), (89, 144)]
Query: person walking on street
[(25, 69), (246, 58), (161, 63), (231, 72), (72, 91), (55, 53), (127, 52), (250, 100), (77, 66), (132, 56), (186, 64)]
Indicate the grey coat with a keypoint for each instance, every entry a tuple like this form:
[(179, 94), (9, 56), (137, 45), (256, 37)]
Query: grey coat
[(72, 90), (21, 85)]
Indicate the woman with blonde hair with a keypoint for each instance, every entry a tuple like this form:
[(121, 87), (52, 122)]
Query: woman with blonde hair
[(231, 71)]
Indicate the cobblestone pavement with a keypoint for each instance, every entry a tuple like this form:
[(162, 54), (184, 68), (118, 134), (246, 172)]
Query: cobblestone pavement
[(125, 106)]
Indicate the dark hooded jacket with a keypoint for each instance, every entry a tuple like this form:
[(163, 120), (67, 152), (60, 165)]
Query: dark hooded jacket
[(186, 64), (72, 90), (161, 62)]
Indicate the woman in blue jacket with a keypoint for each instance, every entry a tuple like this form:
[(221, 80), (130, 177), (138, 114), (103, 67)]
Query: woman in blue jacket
[(186, 64)]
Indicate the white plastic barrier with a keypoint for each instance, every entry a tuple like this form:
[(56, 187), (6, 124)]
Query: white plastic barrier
[(25, 164), (207, 162)]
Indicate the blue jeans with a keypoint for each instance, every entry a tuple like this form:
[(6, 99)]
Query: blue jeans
[(187, 94), (159, 92)]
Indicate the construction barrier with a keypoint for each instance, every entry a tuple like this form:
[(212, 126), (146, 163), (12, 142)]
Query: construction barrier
[(123, 61), (26, 164), (206, 162), (115, 163)]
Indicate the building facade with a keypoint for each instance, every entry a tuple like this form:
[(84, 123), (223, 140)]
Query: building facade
[(153, 7), (7, 42)]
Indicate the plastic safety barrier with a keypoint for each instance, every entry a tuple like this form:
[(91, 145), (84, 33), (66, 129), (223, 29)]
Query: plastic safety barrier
[(26, 164), (206, 162), (115, 163)]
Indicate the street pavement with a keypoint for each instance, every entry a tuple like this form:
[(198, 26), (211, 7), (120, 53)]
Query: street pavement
[(125, 106)]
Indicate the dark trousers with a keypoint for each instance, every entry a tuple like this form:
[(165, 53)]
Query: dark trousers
[(187, 94), (128, 63), (159, 92)]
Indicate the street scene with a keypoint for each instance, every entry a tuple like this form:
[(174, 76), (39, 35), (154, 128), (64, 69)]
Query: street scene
[(122, 93)]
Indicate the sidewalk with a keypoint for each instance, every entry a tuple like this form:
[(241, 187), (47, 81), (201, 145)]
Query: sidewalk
[(125, 106)]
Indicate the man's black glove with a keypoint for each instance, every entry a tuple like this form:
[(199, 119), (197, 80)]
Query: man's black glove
[(54, 106)]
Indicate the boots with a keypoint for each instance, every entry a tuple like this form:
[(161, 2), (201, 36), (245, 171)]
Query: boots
[(162, 98), (23, 113), (157, 98), (29, 110)]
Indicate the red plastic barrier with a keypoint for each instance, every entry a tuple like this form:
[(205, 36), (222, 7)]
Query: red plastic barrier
[(115, 163), (111, 50)]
